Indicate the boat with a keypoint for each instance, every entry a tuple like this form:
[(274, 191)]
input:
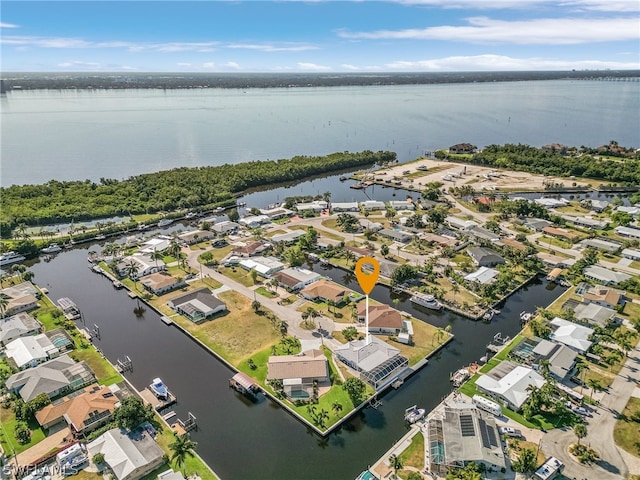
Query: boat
[(357, 186), (428, 301), (117, 284), (413, 414), (164, 222), (159, 389), (488, 316), (344, 178), (53, 248), (11, 257), (100, 237), (525, 316), (460, 377)]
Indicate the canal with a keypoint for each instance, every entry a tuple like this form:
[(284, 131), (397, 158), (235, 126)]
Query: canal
[(243, 440)]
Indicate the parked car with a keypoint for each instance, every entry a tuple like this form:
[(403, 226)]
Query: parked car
[(582, 411), (509, 432)]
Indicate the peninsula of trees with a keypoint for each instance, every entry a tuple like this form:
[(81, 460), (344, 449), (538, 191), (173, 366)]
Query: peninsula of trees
[(180, 188)]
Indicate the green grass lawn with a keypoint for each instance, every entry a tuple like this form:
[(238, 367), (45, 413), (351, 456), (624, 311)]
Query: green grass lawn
[(192, 465), (105, 373), (238, 274), (413, 455), (265, 293), (8, 438), (625, 432), (426, 338)]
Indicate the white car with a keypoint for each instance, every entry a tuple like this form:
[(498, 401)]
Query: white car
[(582, 411), (509, 432)]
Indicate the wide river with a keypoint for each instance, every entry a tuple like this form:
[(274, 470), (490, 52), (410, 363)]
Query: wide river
[(241, 440), (77, 135)]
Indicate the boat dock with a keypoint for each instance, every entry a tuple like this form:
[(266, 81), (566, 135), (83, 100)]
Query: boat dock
[(166, 320), (243, 383), (183, 426), (149, 398)]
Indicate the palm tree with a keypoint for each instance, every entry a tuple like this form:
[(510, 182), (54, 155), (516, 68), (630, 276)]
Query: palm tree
[(174, 248), (157, 256), (182, 448), (580, 431), (4, 302), (132, 269), (395, 463), (438, 335), (595, 385), (337, 407), (581, 367)]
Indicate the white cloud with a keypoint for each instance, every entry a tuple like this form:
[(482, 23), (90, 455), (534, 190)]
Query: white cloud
[(183, 64), (8, 25), (490, 62), (592, 5), (67, 42), (233, 65), (265, 47), (543, 31), (312, 67), (349, 67), (208, 65), (604, 5)]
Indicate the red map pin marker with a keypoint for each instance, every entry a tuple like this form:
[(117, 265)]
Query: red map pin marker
[(367, 280)]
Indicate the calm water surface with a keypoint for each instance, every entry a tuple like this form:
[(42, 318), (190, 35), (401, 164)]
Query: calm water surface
[(241, 440), (70, 135)]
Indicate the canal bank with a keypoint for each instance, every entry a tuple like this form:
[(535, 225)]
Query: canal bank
[(245, 440)]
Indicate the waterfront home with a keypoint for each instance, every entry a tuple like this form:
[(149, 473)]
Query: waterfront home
[(265, 266), (599, 244), (345, 206), (509, 383), (294, 279), (480, 233), (597, 205), (196, 236), (359, 251), (83, 411), (628, 232), (249, 249), (372, 205), (161, 282), (299, 373), (485, 257), (599, 295), (551, 202), (324, 291), (463, 148), (458, 433), (595, 314), (288, 238), (604, 275), (460, 224), (18, 325), (561, 359), (315, 206), (366, 224), (145, 266), (277, 213), (27, 352), (197, 305), (22, 297), (586, 222), (560, 233), (382, 318), (571, 334), (225, 227), (54, 377), (633, 210), (555, 274), (536, 224), (483, 275), (254, 221), (373, 361), (631, 254), (129, 456), (155, 244), (396, 236), (400, 205), (555, 260), (555, 148)]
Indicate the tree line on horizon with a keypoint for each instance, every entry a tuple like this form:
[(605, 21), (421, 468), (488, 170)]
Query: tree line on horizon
[(179, 188)]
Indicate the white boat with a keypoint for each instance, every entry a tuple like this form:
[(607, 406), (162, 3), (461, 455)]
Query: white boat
[(526, 316), (428, 301), (53, 248), (164, 222), (488, 316), (11, 257), (101, 237), (413, 414), (460, 377), (159, 389)]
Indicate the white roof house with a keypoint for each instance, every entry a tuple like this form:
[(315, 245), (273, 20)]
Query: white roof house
[(604, 275), (19, 325), (401, 205), (265, 266), (594, 314), (509, 383), (482, 275), (288, 237), (628, 232), (146, 265), (631, 254), (345, 206), (129, 456), (225, 226), (296, 278), (156, 244), (316, 206), (460, 224), (571, 334), (635, 211), (254, 221), (31, 351), (371, 205)]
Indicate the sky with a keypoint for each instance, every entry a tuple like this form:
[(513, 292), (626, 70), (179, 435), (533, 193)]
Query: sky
[(319, 36)]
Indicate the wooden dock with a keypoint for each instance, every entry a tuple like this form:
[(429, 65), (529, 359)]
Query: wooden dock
[(149, 398)]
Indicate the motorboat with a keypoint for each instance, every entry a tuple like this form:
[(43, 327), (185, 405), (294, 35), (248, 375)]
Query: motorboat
[(53, 248), (164, 222), (428, 301), (11, 257), (159, 389), (460, 377), (413, 414)]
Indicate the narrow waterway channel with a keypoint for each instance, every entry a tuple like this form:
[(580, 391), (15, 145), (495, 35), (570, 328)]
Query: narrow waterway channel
[(242, 440)]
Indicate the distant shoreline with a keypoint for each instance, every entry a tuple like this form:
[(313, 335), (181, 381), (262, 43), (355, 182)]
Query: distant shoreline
[(18, 81)]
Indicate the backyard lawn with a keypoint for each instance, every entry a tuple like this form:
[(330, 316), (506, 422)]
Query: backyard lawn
[(625, 432)]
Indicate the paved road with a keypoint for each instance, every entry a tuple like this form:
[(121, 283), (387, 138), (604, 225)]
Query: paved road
[(600, 431)]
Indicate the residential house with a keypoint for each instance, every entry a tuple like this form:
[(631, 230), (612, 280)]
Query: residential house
[(631, 254), (586, 222), (632, 210), (598, 205), (22, 297), (197, 305), (483, 275), (299, 373), (400, 205), (28, 352), (161, 282), (196, 236), (372, 205), (555, 260), (225, 227), (369, 225), (145, 266), (481, 233), (324, 291), (254, 221), (460, 224), (83, 411), (440, 240), (294, 279), (458, 433), (345, 206), (571, 334), (509, 383), (599, 295), (277, 213), (288, 238), (595, 314), (265, 266), (600, 244), (359, 251), (156, 244), (243, 249), (560, 232), (561, 359), (18, 325), (536, 224), (628, 232), (555, 148), (604, 275), (551, 202), (316, 206), (513, 243), (485, 257), (129, 456), (396, 236), (374, 361), (382, 318), (463, 148), (54, 377)]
